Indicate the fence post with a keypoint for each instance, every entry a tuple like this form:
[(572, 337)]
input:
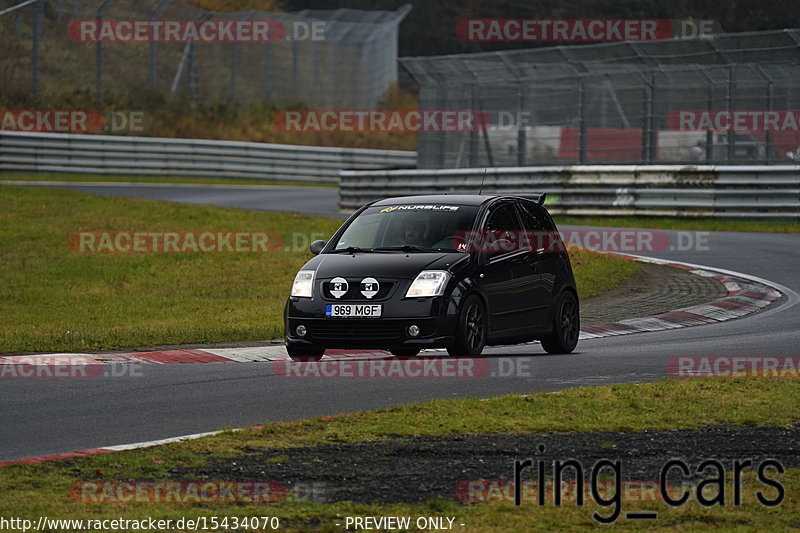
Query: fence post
[(38, 13), (316, 75), (17, 26), (234, 72), (354, 78), (235, 62), (647, 121), (99, 62), (521, 132), (266, 73), (153, 45), (730, 97), (767, 131), (768, 140), (652, 141), (485, 132), (295, 65), (581, 121), (334, 55), (192, 81), (473, 134), (709, 133)]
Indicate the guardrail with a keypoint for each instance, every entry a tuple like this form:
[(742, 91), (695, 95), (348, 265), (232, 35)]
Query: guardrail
[(110, 154), (657, 190)]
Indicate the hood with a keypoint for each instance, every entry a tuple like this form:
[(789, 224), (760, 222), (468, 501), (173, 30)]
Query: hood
[(381, 264)]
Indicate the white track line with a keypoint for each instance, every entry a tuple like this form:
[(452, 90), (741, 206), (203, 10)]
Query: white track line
[(147, 444)]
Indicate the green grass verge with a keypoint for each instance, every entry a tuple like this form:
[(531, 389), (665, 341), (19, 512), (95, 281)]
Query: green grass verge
[(43, 489), (597, 273), (661, 405), (95, 178), (696, 224), (56, 299), (53, 299)]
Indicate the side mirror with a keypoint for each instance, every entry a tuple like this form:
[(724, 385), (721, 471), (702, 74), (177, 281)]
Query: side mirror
[(317, 246)]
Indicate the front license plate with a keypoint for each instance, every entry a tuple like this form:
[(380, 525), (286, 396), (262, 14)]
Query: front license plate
[(353, 310)]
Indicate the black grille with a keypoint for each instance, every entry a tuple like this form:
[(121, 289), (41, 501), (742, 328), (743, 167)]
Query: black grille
[(345, 328)]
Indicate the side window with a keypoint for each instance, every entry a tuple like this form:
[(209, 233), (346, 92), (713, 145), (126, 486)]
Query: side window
[(539, 228), (503, 229), (533, 220)]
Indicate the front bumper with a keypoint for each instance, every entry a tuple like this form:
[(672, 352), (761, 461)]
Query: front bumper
[(436, 318)]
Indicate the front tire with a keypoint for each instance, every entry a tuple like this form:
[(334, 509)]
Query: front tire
[(305, 353), (566, 326), (470, 337)]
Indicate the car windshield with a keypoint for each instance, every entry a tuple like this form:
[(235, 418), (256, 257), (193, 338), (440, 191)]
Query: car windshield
[(409, 228)]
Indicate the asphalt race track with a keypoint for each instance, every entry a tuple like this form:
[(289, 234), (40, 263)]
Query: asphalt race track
[(41, 417), (307, 200)]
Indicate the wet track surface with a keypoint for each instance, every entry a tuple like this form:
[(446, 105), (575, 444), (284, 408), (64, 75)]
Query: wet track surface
[(52, 416)]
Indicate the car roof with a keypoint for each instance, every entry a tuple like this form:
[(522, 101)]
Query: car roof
[(446, 199)]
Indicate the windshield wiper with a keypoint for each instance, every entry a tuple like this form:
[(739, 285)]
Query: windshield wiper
[(407, 248), (352, 249)]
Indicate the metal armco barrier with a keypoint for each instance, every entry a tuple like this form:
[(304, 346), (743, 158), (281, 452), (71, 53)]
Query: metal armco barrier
[(657, 190), (143, 156)]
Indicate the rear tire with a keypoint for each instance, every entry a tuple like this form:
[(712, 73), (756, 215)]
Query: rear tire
[(305, 353), (470, 337), (566, 326)]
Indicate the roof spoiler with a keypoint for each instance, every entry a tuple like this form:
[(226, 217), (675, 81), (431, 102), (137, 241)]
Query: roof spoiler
[(538, 198)]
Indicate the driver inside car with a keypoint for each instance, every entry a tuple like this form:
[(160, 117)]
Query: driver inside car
[(414, 232)]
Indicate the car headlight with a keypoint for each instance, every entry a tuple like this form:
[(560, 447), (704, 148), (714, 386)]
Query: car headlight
[(303, 285), (428, 283)]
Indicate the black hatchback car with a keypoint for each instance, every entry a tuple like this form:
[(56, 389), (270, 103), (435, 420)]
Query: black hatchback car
[(447, 271)]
